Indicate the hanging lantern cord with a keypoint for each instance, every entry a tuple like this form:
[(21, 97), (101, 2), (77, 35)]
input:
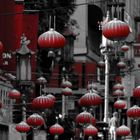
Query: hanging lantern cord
[(54, 22), (50, 19)]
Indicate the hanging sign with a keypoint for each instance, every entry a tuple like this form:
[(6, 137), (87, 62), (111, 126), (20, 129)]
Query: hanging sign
[(6, 56)]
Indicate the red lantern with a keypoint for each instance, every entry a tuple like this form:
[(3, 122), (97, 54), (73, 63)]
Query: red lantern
[(116, 30), (41, 80), (136, 92), (118, 93), (124, 48), (35, 120), (118, 86), (42, 102), (22, 127), (90, 99), (66, 83), (120, 104), (66, 91), (90, 130), (121, 65), (101, 64), (85, 117), (133, 112), (14, 94), (123, 131), (56, 129), (51, 39)]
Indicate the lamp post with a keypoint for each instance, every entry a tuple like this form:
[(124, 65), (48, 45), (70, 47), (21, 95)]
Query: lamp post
[(114, 30), (23, 72), (106, 87), (104, 52)]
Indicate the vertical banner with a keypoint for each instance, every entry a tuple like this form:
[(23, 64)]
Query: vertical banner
[(30, 29)]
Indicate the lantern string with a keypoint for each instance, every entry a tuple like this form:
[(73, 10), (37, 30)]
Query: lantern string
[(54, 21), (50, 18)]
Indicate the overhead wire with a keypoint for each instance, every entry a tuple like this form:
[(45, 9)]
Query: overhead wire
[(49, 9)]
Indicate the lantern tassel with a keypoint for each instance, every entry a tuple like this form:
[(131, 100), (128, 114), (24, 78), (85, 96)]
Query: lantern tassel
[(90, 138), (52, 65), (56, 137), (51, 54)]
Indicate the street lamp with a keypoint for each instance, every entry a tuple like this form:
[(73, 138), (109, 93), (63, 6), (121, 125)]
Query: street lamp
[(23, 72), (23, 59)]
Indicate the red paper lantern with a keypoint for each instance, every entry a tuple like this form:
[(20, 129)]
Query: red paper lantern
[(123, 131), (116, 30), (51, 39), (136, 92), (85, 117), (90, 130), (67, 91), (125, 48), (42, 102), (22, 127), (35, 120), (118, 86), (66, 83), (56, 129), (118, 93), (90, 99), (121, 65), (101, 64), (14, 94), (120, 104), (133, 112), (41, 80)]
